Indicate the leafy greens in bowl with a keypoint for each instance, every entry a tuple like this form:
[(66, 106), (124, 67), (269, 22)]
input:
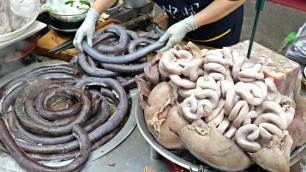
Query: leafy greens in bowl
[(67, 11)]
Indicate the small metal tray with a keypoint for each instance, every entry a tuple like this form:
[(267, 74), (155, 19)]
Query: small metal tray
[(184, 158)]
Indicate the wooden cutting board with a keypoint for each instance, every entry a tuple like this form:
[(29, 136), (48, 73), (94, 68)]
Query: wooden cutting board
[(52, 39)]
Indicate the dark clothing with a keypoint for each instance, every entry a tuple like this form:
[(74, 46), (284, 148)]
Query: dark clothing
[(224, 32)]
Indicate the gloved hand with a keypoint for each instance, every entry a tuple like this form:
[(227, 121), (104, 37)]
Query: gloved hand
[(177, 32), (87, 29)]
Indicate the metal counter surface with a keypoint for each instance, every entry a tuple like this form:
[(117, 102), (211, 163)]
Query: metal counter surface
[(132, 155)]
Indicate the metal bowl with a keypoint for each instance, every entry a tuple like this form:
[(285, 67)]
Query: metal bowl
[(184, 158), (64, 26), (68, 17)]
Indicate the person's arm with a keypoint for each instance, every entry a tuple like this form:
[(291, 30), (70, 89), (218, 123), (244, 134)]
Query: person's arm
[(102, 5), (88, 27), (215, 11)]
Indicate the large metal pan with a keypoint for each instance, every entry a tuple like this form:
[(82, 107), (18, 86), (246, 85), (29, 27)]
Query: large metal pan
[(18, 32), (127, 129), (185, 159)]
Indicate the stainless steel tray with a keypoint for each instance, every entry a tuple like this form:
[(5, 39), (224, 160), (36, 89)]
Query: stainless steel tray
[(96, 154), (185, 159)]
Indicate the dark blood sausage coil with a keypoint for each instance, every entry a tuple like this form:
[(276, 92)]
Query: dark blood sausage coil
[(123, 40), (149, 35), (131, 83), (132, 34), (37, 128), (137, 68), (102, 51), (118, 53), (92, 70), (43, 111), (102, 37), (123, 58), (132, 47), (45, 130), (91, 62), (29, 164)]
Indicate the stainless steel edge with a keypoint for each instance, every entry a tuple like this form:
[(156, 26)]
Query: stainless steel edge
[(30, 67), (120, 137)]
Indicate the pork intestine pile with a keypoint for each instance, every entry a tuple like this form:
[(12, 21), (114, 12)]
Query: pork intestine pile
[(228, 92)]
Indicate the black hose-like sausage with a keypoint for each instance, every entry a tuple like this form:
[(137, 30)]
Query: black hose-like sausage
[(97, 133), (131, 69), (27, 163), (44, 129), (149, 35), (93, 71), (123, 39), (132, 47), (43, 111), (123, 58)]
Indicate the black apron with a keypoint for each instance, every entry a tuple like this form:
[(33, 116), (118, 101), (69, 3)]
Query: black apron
[(222, 33)]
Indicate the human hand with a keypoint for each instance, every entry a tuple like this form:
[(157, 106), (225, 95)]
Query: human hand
[(87, 29), (177, 32)]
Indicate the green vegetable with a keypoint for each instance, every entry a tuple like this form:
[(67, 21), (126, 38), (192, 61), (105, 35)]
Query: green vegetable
[(85, 3), (69, 2)]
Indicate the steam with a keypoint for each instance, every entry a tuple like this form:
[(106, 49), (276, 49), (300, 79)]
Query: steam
[(10, 57)]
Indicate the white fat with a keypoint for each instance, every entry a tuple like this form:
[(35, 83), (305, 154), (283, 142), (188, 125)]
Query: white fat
[(1, 102), (116, 94), (9, 109)]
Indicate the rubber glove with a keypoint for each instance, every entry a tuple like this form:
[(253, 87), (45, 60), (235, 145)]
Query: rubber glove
[(87, 29), (177, 32)]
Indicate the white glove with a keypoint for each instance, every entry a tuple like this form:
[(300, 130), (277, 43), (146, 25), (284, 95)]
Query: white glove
[(177, 32), (87, 29)]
